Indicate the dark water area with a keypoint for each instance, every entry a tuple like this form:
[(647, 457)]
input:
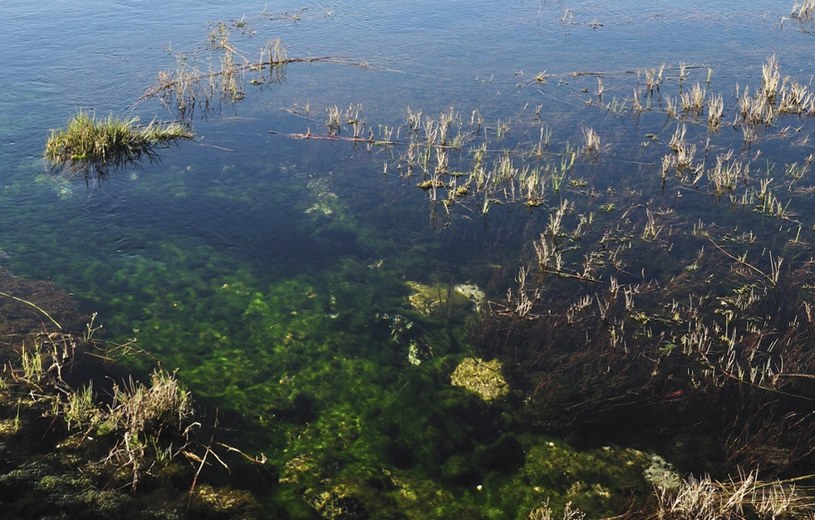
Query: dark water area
[(328, 290)]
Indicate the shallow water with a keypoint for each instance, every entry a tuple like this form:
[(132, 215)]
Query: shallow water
[(268, 269)]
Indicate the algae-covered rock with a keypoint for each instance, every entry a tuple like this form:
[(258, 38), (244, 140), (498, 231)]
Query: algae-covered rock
[(326, 203), (298, 467), (661, 474), (235, 503), (596, 481), (38, 487), (338, 503), (481, 377), (473, 293), (443, 300), (419, 351), (20, 317)]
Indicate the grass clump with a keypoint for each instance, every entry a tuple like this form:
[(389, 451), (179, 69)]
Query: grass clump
[(96, 145), (152, 422)]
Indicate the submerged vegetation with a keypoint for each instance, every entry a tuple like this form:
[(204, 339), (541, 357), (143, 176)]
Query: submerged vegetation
[(97, 146), (633, 310), (632, 339)]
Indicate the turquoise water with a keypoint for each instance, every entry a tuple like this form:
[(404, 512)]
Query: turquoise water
[(269, 269)]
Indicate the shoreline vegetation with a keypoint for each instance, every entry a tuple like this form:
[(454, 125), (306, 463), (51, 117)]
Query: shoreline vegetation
[(82, 438)]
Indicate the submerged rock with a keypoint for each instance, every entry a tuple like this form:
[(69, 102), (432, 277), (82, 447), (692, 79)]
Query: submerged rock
[(21, 316), (443, 300), (419, 351), (481, 377), (338, 503), (234, 503), (326, 203)]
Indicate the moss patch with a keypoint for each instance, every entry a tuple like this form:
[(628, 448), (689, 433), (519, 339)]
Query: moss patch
[(482, 377)]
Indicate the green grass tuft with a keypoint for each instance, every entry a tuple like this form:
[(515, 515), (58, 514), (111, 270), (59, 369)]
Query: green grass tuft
[(89, 144)]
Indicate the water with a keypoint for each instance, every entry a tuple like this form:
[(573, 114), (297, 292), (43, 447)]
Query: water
[(270, 270)]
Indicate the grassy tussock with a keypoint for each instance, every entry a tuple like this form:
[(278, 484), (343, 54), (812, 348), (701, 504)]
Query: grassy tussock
[(89, 143)]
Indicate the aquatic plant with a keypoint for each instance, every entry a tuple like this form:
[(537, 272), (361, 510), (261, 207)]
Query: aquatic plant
[(653, 78), (146, 421), (693, 101), (195, 84), (90, 145), (726, 175), (599, 288), (592, 142), (616, 277), (770, 79), (334, 121), (715, 110), (485, 174), (796, 99), (803, 10), (744, 497), (544, 512), (143, 418), (670, 107), (684, 153)]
